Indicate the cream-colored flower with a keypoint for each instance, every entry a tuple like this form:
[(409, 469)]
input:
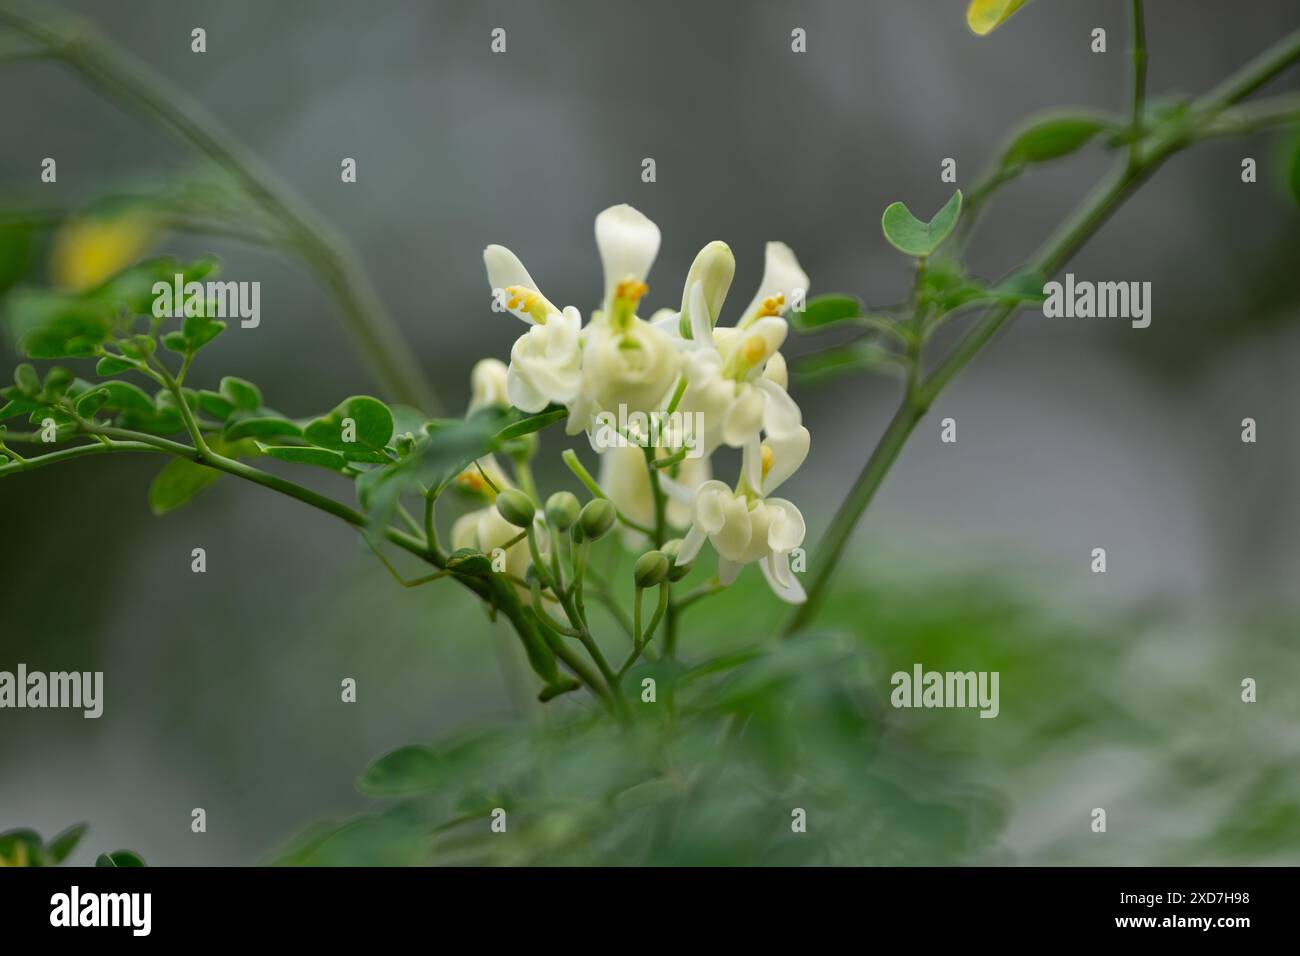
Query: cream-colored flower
[(728, 380), (546, 361)]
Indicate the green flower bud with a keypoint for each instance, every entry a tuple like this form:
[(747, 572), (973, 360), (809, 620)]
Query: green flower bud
[(516, 507), (562, 510), (597, 517), (651, 569), (675, 571)]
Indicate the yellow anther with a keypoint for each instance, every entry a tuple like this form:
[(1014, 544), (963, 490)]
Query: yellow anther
[(530, 301), (631, 290), (627, 294), (471, 480), (772, 305), (767, 459)]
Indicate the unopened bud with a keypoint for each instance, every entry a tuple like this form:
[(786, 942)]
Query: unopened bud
[(597, 517), (516, 507), (651, 569), (562, 510)]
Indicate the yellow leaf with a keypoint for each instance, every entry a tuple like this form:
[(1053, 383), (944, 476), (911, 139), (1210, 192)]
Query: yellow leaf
[(88, 251), (985, 16)]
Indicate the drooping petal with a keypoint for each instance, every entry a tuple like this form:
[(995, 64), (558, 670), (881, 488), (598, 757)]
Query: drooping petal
[(776, 568), (781, 276), (628, 243), (691, 544), (751, 464)]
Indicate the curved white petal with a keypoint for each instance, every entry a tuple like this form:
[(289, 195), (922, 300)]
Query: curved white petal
[(781, 414), (691, 545), (751, 463), (776, 569), (504, 270), (711, 499), (781, 276), (628, 243)]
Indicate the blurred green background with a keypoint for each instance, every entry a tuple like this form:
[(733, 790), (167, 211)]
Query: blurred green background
[(1118, 691)]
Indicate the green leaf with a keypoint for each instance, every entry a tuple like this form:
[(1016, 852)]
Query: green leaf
[(91, 402), (215, 404), (59, 848), (176, 342), (119, 858), (128, 397), (825, 310), (199, 330), (27, 380), (533, 423), (304, 455), (112, 365), (470, 562), (240, 393), (21, 848), (262, 423), (844, 359), (360, 427), (1052, 137), (915, 238), (413, 769), (178, 482), (49, 324)]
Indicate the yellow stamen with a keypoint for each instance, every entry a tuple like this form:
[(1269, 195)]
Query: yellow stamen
[(627, 296), (530, 301), (772, 305), (767, 459)]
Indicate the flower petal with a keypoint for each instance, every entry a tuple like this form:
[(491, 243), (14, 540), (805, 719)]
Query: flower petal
[(776, 569), (628, 243), (786, 530), (781, 276)]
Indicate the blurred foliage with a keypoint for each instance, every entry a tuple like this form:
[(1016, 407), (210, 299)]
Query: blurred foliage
[(711, 772), (28, 848)]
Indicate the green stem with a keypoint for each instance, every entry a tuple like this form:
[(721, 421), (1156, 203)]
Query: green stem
[(1139, 78)]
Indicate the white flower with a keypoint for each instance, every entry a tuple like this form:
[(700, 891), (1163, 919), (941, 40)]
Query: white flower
[(546, 361), (625, 360), (736, 377), (487, 382), (744, 526)]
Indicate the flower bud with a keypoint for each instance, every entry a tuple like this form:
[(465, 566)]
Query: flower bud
[(651, 569), (562, 510), (597, 517), (516, 507), (675, 571)]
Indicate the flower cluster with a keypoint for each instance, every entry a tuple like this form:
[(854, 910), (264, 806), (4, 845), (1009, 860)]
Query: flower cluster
[(620, 368)]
